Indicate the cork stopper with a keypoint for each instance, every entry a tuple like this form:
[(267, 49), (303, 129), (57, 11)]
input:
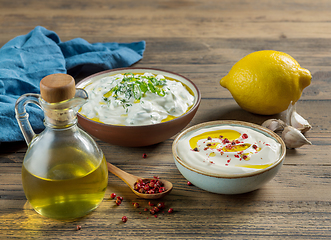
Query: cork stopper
[(57, 87)]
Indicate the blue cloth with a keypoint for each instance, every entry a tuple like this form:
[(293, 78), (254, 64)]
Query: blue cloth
[(26, 59)]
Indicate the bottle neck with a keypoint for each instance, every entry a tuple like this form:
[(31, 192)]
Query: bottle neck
[(60, 118)]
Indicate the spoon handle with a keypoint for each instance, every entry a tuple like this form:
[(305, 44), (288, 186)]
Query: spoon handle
[(128, 178)]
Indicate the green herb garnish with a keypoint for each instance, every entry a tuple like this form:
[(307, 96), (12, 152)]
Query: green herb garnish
[(135, 87)]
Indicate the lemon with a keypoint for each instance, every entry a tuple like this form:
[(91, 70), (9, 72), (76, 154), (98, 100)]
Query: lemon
[(266, 82)]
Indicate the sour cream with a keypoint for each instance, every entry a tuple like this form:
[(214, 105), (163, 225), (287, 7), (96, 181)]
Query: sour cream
[(228, 149), (136, 99)]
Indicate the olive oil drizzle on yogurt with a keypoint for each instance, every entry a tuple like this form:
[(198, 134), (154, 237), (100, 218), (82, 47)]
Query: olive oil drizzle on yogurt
[(136, 99), (230, 149)]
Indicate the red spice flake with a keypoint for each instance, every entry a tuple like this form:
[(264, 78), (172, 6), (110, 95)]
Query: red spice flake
[(161, 189), (144, 155), (146, 209), (209, 138), (205, 149), (155, 209), (78, 227), (149, 186), (226, 164), (254, 146), (118, 202), (160, 205), (228, 161), (124, 219), (244, 136), (189, 183), (211, 162), (226, 141), (267, 144), (113, 195), (244, 157), (237, 156), (171, 210)]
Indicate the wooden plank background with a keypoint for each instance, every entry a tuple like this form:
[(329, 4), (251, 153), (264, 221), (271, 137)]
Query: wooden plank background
[(200, 40)]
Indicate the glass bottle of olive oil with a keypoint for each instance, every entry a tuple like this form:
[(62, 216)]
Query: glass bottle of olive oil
[(64, 173)]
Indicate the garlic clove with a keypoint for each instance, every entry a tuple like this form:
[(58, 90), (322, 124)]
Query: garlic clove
[(293, 137), (274, 124), (296, 120)]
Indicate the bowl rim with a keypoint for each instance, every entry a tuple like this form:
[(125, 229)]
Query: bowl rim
[(229, 122), (193, 108)]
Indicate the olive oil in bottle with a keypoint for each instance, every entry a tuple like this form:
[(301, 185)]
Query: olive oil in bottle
[(68, 189)]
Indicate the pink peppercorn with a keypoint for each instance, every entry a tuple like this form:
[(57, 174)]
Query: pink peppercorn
[(113, 195), (124, 219), (171, 210), (118, 202)]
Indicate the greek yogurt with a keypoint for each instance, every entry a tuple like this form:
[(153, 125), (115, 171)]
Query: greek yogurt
[(136, 99), (228, 149)]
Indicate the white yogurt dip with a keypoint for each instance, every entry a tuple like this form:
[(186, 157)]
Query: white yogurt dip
[(136, 99), (228, 149)]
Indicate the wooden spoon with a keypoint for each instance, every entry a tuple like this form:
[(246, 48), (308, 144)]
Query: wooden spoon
[(130, 180)]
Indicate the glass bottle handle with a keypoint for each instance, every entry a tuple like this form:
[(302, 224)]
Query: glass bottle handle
[(23, 117)]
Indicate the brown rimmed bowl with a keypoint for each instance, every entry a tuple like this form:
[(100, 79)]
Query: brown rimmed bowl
[(139, 136)]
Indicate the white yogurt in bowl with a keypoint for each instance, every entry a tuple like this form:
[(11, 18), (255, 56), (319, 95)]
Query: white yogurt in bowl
[(228, 157), (135, 99)]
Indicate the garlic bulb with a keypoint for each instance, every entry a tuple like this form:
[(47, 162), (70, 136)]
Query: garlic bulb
[(274, 124), (295, 120), (293, 138)]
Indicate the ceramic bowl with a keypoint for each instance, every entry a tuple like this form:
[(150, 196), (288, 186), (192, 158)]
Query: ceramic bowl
[(227, 183), (138, 136)]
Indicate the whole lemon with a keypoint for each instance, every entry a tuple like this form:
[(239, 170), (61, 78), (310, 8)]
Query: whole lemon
[(266, 82)]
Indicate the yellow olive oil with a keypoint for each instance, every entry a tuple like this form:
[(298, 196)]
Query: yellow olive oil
[(67, 189)]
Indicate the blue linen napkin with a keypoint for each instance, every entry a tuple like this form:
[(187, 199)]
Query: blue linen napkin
[(26, 59)]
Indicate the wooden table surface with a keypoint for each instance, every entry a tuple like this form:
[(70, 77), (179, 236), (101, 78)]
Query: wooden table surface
[(200, 40)]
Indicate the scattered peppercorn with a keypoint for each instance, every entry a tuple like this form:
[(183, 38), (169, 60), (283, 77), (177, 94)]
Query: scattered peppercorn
[(150, 204), (118, 202), (78, 227), (120, 198), (124, 219), (171, 210), (113, 195), (136, 205), (144, 155), (160, 205), (189, 183)]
